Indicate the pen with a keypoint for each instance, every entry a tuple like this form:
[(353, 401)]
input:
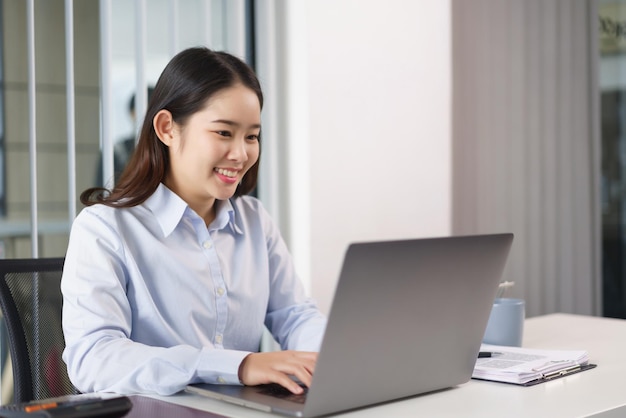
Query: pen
[(82, 402), (486, 354), (40, 406)]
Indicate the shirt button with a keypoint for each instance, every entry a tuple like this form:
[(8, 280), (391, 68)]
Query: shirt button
[(207, 244), (220, 291), (218, 339), (221, 380)]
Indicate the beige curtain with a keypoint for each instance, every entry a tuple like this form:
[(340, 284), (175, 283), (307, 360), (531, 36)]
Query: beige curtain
[(525, 143)]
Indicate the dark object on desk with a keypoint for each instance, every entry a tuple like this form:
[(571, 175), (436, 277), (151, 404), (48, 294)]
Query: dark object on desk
[(31, 302), (70, 407), (146, 407), (487, 354)]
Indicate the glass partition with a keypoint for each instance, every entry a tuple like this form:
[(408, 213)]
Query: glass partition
[(168, 27), (612, 82)]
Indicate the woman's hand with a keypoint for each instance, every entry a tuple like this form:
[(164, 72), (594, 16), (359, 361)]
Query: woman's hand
[(277, 367)]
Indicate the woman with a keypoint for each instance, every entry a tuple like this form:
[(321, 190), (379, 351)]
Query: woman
[(170, 277)]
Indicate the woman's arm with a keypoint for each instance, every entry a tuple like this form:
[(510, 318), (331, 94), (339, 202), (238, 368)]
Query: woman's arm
[(293, 318)]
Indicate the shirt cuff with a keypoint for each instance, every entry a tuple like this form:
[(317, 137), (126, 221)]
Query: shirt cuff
[(220, 366)]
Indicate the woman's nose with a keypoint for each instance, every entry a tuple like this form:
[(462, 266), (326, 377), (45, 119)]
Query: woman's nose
[(238, 151)]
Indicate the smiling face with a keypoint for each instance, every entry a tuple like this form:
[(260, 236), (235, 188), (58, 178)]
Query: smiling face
[(214, 148)]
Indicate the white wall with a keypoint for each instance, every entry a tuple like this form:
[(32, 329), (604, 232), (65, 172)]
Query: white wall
[(369, 134)]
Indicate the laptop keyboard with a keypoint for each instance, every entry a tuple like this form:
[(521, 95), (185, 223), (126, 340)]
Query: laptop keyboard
[(278, 391)]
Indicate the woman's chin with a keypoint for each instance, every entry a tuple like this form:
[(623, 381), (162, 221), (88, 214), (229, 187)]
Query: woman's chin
[(226, 194)]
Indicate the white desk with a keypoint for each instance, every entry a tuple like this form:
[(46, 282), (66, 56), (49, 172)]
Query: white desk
[(600, 391)]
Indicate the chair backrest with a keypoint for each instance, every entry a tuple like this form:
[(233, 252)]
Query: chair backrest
[(31, 302)]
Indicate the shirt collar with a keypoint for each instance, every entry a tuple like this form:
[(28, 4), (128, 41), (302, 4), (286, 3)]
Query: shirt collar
[(169, 209), (225, 216)]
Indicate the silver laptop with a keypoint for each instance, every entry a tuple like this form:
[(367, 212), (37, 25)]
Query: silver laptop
[(407, 318)]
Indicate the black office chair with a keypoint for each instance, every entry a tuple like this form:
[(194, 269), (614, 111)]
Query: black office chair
[(31, 302)]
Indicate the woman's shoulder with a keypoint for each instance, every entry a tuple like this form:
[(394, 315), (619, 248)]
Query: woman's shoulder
[(247, 203), (250, 209), (105, 214), (97, 210)]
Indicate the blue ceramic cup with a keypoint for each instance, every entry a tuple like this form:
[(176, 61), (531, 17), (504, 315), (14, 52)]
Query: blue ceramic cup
[(506, 322)]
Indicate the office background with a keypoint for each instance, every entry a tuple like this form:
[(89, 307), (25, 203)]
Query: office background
[(385, 120), (454, 117)]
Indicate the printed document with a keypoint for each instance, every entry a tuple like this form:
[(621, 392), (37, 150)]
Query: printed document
[(522, 365)]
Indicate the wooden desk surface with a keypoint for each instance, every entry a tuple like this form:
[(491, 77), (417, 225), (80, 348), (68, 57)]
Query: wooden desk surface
[(598, 391)]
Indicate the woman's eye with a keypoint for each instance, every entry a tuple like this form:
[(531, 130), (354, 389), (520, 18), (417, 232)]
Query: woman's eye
[(223, 133), (253, 137)]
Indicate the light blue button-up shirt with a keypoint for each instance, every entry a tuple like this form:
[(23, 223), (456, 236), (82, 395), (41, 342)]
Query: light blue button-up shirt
[(154, 300)]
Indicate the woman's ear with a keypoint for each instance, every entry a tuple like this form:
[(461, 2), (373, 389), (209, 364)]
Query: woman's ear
[(163, 124)]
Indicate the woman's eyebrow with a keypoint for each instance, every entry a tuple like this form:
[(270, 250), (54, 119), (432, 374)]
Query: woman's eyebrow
[(236, 124)]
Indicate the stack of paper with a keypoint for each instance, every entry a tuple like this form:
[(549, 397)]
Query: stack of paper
[(524, 365)]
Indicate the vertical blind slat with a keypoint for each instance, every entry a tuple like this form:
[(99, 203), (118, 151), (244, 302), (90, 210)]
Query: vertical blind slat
[(106, 90), (141, 98), (32, 130), (71, 108)]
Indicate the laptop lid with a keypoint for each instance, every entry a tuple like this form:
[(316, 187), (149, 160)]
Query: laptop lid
[(407, 318)]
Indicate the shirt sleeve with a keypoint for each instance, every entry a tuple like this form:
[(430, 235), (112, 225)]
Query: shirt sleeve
[(97, 324), (292, 318)]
